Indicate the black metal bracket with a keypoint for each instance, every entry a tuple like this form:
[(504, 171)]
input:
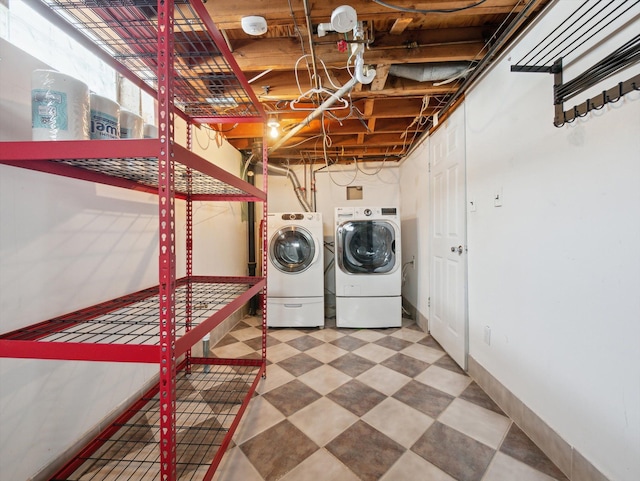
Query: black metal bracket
[(562, 91)]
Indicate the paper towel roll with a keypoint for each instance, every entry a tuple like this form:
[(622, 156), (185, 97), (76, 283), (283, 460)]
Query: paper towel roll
[(59, 107), (150, 131), (105, 118), (131, 125)]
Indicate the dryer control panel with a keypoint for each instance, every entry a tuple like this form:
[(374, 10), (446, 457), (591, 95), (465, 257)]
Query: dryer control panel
[(299, 216), (345, 213)]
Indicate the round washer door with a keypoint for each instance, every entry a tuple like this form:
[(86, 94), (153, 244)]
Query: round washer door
[(367, 247), (292, 249)]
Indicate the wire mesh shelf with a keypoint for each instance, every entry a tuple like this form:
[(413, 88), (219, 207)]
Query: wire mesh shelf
[(207, 404), (145, 171), (129, 163), (133, 319), (207, 82)]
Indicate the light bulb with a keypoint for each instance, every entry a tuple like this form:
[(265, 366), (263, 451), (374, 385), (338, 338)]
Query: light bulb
[(273, 125)]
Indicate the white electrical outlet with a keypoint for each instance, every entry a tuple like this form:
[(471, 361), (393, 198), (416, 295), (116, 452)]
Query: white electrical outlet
[(487, 335)]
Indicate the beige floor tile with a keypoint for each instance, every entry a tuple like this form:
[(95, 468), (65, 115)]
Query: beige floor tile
[(321, 465), (327, 335), (374, 353), (411, 467), (505, 468), (284, 335), (323, 420), (276, 377), (326, 352), (444, 380), (235, 350), (255, 321), (385, 380), (400, 422), (280, 352), (236, 467), (247, 333), (424, 353), (476, 422), (409, 335), (324, 379), (259, 416), (367, 335)]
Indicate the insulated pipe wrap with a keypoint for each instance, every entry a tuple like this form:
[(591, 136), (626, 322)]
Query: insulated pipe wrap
[(429, 72)]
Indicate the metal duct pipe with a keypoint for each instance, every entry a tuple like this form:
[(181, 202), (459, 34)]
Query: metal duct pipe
[(510, 30), (429, 72), (315, 114), (297, 188)]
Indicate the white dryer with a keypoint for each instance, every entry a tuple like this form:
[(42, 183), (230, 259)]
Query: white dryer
[(367, 266), (295, 275)]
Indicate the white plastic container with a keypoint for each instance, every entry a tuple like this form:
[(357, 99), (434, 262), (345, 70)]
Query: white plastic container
[(59, 107), (150, 131), (131, 125), (105, 118)]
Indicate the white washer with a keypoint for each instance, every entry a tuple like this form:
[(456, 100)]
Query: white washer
[(368, 270), (295, 276)]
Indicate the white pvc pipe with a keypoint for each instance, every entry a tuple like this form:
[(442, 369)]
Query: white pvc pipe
[(316, 113)]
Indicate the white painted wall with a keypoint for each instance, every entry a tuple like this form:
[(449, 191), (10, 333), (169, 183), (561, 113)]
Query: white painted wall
[(380, 187), (67, 244), (414, 184), (555, 271)]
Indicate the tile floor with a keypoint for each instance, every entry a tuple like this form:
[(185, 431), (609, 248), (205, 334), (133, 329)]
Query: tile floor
[(370, 404)]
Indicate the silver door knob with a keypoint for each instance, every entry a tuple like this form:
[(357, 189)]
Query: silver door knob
[(458, 249)]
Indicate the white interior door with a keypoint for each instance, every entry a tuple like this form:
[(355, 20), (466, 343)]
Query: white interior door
[(448, 266)]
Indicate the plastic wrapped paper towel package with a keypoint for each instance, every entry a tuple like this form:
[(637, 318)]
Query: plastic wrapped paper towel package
[(131, 125), (60, 107), (150, 131), (105, 118)]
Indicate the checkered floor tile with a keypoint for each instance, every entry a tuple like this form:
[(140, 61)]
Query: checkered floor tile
[(370, 404)]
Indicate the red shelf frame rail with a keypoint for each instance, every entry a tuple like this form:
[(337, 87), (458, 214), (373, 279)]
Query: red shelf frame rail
[(115, 436), (120, 162), (31, 343)]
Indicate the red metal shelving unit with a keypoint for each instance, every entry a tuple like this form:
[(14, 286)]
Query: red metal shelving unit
[(173, 50)]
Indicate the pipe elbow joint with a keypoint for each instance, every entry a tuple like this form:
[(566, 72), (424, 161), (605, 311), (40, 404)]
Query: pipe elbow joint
[(362, 76)]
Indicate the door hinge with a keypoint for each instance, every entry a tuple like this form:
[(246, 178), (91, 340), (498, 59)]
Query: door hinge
[(429, 302), (429, 167)]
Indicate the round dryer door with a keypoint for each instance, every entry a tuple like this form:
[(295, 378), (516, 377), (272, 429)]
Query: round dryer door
[(292, 249), (367, 247)]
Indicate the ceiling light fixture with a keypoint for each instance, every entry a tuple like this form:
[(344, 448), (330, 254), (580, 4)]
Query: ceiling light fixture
[(273, 125), (254, 25)]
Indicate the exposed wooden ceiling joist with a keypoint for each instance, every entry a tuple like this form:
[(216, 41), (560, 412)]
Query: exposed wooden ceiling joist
[(383, 118)]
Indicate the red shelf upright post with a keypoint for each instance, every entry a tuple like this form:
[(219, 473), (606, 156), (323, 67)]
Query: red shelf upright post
[(167, 260), (265, 246), (189, 248)]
